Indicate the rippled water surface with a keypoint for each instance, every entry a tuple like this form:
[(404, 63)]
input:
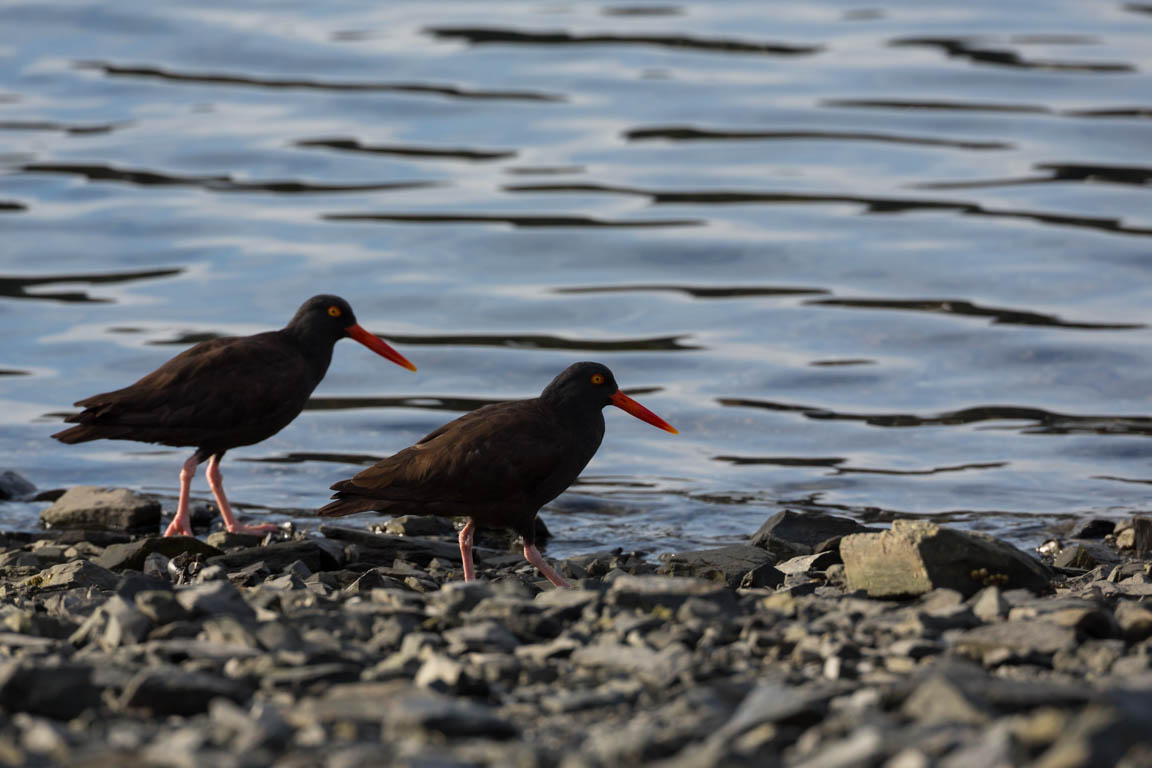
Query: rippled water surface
[(877, 258)]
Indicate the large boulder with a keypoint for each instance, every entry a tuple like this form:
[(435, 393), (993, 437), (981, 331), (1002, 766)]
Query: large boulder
[(726, 565), (94, 508), (132, 554), (917, 556)]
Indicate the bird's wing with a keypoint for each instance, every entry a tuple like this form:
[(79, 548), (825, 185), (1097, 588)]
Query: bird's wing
[(486, 456), (217, 384)]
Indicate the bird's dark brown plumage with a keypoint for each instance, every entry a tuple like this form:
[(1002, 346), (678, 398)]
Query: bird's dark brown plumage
[(224, 393), (498, 464)]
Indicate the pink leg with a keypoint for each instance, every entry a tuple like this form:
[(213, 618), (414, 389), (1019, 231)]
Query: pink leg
[(466, 549), (181, 525), (532, 555), (230, 521)]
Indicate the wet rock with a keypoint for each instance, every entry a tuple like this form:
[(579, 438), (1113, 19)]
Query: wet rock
[(57, 690), (649, 592), (1091, 528), (73, 575), (14, 486), (917, 556), (726, 565), (174, 691), (804, 530), (95, 508), (132, 554)]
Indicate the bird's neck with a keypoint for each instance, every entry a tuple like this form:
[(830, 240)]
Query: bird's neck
[(315, 347)]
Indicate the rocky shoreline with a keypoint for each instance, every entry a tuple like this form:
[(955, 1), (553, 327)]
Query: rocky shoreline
[(819, 643)]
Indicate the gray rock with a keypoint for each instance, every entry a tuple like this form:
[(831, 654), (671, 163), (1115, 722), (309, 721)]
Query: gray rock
[(805, 564), (133, 554), (160, 606), (1074, 556), (1088, 617), (804, 530), (95, 508), (479, 637), (659, 669), (72, 575), (419, 525), (226, 541), (917, 556), (761, 577), (117, 622), (14, 486), (1135, 621), (648, 592), (727, 565), (215, 598), (316, 554), (376, 549), (1027, 640), (57, 690), (1104, 734), (174, 691), (989, 604), (1091, 528)]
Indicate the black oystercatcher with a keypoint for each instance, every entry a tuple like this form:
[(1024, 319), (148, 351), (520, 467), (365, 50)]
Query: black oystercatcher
[(225, 393), (498, 464)]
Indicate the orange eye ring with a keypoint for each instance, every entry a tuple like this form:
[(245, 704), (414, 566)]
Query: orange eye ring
[(334, 311), (597, 379)]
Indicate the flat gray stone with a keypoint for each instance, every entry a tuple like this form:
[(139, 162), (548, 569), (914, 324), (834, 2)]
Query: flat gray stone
[(727, 565), (96, 508), (1038, 640), (917, 556), (648, 592), (175, 691), (74, 574)]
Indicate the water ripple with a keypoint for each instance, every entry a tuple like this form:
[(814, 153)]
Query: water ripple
[(1058, 173), (690, 133), (967, 49), (16, 287), (871, 204), (968, 309), (207, 78), (1040, 421), (433, 153), (47, 125), (516, 220), (503, 340), (698, 291), (99, 172), (491, 35), (835, 463)]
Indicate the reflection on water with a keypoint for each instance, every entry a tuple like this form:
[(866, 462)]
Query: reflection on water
[(788, 230)]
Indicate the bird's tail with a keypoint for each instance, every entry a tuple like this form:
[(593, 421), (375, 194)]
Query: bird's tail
[(349, 506), (83, 433)]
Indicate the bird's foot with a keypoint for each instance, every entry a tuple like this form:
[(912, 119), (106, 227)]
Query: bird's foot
[(259, 528), (179, 527)]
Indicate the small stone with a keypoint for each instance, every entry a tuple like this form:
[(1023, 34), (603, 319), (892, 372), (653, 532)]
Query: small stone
[(1135, 621), (93, 507), (989, 604)]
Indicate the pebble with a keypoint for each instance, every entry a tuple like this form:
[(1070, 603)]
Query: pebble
[(355, 648)]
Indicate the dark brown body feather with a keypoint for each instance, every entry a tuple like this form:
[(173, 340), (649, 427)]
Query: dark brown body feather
[(498, 465), (217, 395)]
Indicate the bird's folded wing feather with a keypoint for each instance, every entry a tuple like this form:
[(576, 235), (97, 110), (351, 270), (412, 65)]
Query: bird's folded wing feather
[(216, 384), (485, 456)]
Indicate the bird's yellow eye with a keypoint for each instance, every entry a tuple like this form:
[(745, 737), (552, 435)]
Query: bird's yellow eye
[(597, 379), (334, 311)]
